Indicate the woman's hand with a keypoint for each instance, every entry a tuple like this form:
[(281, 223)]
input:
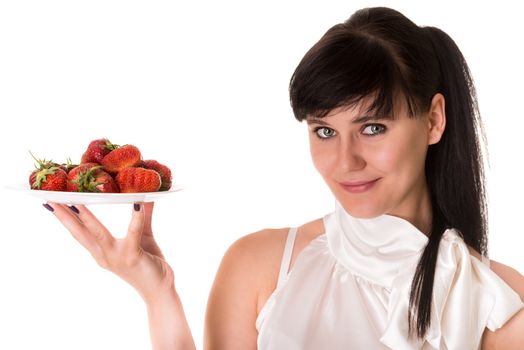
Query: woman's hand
[(137, 259)]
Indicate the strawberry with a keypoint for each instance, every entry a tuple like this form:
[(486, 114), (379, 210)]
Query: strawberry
[(135, 179), (48, 176), (164, 171), (123, 157), (96, 150), (76, 177), (89, 177), (104, 183), (48, 179)]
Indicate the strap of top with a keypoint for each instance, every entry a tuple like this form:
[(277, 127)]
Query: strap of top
[(286, 257), (485, 260)]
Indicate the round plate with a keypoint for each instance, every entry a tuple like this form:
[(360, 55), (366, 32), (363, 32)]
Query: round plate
[(92, 198)]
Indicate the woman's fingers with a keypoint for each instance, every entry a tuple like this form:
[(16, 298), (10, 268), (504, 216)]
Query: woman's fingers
[(87, 230), (110, 253), (141, 267), (93, 225), (73, 224)]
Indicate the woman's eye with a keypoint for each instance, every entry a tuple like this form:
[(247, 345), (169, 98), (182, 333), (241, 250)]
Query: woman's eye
[(374, 129), (324, 133)]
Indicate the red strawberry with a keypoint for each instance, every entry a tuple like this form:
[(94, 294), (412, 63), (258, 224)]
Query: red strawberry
[(134, 179), (97, 150), (76, 176), (48, 176), (121, 158), (105, 183), (90, 177), (164, 171), (48, 179)]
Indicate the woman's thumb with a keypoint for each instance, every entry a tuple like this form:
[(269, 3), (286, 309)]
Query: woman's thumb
[(136, 226)]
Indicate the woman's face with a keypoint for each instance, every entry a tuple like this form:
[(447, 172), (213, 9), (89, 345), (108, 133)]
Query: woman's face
[(387, 155)]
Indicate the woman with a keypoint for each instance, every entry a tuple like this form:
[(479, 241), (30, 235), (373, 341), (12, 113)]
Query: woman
[(401, 262)]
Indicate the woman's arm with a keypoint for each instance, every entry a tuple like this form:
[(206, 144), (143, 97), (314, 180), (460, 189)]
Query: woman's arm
[(167, 323), (246, 276), (511, 335)]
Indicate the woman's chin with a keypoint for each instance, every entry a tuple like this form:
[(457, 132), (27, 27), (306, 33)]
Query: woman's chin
[(361, 210)]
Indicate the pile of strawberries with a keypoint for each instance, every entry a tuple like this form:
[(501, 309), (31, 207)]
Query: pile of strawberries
[(104, 168)]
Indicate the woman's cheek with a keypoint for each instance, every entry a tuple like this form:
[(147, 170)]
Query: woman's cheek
[(323, 158), (386, 159), (319, 162)]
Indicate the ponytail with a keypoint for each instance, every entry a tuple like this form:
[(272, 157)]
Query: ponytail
[(455, 174)]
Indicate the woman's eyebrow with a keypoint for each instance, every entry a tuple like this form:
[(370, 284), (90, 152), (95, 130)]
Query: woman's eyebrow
[(366, 118), (359, 120), (319, 121)]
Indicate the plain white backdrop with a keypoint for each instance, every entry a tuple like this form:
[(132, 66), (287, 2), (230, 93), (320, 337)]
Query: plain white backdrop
[(202, 87)]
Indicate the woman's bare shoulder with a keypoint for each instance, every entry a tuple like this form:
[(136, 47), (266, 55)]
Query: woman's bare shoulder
[(264, 248), (244, 281), (233, 299), (261, 242), (510, 335), (262, 253), (259, 252), (512, 277)]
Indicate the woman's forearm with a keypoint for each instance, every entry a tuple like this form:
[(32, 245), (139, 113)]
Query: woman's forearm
[(167, 323)]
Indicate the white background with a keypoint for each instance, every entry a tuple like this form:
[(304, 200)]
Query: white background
[(202, 87)]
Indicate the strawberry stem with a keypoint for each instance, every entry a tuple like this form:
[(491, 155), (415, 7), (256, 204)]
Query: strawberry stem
[(86, 180), (41, 176), (110, 146)]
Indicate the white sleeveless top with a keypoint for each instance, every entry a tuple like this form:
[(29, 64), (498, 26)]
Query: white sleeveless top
[(349, 289)]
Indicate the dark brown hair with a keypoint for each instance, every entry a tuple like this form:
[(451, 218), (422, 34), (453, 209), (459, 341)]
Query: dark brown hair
[(378, 52)]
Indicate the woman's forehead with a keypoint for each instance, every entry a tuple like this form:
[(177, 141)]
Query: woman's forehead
[(363, 111)]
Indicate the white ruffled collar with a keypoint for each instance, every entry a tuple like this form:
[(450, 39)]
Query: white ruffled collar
[(467, 295), (374, 249)]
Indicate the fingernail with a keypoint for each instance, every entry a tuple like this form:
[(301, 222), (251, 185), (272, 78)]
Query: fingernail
[(136, 206), (74, 209), (48, 207)]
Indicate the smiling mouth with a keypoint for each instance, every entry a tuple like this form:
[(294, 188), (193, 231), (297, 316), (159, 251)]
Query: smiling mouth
[(358, 187)]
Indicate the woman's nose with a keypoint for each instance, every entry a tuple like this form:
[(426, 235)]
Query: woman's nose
[(350, 157)]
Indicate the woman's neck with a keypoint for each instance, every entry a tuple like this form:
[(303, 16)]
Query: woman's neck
[(417, 209)]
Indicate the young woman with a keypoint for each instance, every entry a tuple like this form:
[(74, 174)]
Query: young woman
[(402, 261)]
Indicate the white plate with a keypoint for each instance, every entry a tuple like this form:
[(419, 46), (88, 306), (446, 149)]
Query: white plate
[(92, 198)]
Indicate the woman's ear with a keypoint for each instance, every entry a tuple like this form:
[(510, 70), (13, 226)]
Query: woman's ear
[(436, 118)]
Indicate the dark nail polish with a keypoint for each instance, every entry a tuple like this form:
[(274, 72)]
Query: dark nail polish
[(74, 209), (136, 206), (48, 207)]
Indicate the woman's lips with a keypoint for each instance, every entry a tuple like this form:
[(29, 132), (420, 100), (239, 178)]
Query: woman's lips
[(358, 187)]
